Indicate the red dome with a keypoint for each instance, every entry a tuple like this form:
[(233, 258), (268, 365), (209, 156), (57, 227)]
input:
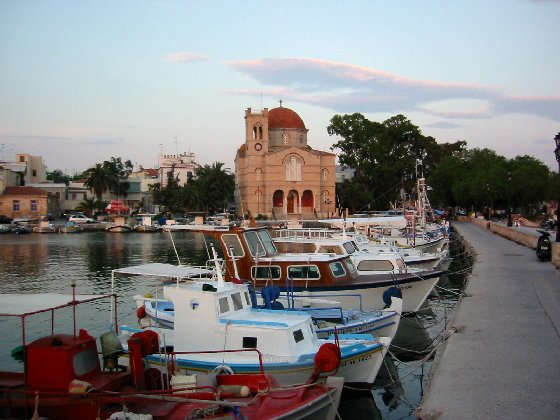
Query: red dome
[(284, 118)]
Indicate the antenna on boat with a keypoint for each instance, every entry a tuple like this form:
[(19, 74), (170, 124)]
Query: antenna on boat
[(218, 268), (174, 248)]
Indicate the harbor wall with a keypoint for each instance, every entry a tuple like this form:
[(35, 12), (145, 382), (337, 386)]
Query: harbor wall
[(528, 239)]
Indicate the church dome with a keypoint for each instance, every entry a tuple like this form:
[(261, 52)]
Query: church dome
[(284, 118)]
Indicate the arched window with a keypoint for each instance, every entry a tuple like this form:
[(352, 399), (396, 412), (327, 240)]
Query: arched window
[(257, 132), (293, 169), (258, 194), (325, 175), (258, 173)]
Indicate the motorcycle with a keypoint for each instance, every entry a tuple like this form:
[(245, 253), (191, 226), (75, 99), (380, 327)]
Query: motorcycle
[(547, 224), (544, 247)]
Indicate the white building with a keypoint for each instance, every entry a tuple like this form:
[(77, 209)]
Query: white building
[(182, 166)]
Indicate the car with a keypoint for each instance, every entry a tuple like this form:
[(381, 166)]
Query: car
[(80, 218)]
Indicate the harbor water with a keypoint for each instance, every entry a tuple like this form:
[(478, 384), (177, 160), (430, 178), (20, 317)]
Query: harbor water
[(51, 263)]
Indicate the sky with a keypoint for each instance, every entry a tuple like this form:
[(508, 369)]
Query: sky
[(84, 81)]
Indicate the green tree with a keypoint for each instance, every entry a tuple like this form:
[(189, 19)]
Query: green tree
[(353, 195), (216, 183), (98, 180), (119, 172), (59, 177), (386, 156), (88, 206)]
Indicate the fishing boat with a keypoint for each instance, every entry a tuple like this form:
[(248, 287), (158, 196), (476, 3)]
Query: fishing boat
[(147, 225), (71, 227), (358, 246), (221, 316), (44, 227), (327, 316), (63, 378), (251, 255), (118, 225)]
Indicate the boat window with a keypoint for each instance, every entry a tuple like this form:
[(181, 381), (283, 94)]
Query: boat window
[(350, 265), (224, 305), (330, 249), (256, 248), (233, 244), (337, 269), (298, 336), (249, 342), (350, 247), (84, 362), (303, 272), (267, 242), (375, 265), (237, 303), (268, 272)]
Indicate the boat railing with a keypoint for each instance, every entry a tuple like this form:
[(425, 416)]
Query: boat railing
[(303, 233), (172, 355)]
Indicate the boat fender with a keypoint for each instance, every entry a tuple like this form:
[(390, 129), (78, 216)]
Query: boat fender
[(79, 387), (223, 370), (391, 292), (234, 391), (141, 312)]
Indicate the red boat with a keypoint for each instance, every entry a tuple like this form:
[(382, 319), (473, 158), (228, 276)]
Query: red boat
[(63, 378)]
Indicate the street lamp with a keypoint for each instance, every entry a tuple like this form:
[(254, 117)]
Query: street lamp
[(557, 154), (509, 223)]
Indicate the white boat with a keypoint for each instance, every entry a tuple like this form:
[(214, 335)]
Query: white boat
[(352, 244), (118, 225), (71, 227), (328, 317), (218, 315), (44, 227), (251, 255), (147, 225)]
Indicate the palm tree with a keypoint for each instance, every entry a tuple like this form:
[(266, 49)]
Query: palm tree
[(88, 206), (98, 180), (217, 183)]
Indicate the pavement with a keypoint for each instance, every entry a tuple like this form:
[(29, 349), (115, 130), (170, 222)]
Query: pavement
[(502, 360)]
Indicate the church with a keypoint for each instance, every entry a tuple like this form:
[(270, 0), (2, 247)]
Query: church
[(278, 175)]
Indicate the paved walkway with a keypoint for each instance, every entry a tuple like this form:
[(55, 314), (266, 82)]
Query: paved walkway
[(504, 361)]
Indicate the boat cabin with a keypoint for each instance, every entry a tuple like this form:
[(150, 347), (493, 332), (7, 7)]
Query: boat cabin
[(225, 310)]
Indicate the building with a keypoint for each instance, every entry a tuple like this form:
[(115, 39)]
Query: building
[(26, 202), (277, 173), (181, 166)]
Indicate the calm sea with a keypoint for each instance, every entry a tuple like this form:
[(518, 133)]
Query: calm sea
[(39, 263)]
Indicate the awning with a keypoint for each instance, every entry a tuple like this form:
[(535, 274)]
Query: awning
[(164, 270), (27, 304)]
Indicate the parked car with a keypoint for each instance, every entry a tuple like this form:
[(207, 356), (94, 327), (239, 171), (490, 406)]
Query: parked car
[(80, 218)]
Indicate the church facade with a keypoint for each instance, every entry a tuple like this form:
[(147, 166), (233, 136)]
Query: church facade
[(278, 175)]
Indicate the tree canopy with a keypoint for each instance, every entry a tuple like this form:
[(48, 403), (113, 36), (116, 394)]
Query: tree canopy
[(388, 156)]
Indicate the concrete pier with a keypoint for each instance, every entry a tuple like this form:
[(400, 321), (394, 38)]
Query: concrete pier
[(503, 359)]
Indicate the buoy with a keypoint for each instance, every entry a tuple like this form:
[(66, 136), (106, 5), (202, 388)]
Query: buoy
[(235, 391), (141, 312), (223, 370), (389, 294)]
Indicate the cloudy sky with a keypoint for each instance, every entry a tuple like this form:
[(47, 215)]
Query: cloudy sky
[(82, 81)]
